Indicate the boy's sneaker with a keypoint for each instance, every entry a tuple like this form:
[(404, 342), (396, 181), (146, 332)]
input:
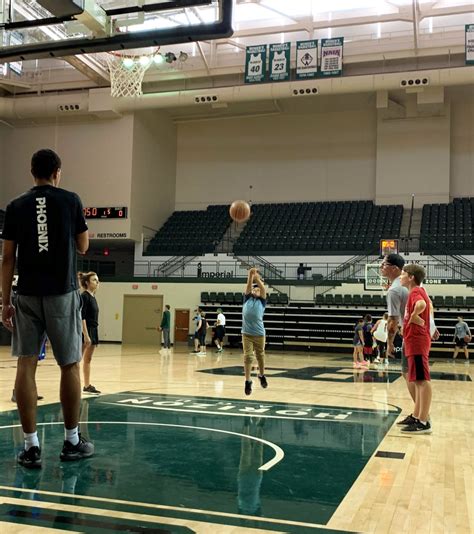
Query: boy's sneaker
[(417, 428), (409, 420), (90, 389), (263, 381), (365, 363), (31, 459), (70, 452), (248, 387), (220, 350)]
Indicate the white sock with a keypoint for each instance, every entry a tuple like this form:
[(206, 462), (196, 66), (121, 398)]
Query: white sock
[(31, 440), (422, 422), (72, 435)]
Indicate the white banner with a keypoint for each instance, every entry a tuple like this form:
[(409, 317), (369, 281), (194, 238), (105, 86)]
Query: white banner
[(332, 51), (306, 59), (469, 44)]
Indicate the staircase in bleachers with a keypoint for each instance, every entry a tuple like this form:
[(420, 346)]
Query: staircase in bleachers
[(190, 233), (448, 228), (328, 324), (314, 227)]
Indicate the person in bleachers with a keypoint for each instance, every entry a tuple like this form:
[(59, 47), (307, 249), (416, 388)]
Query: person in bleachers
[(462, 336), (301, 270)]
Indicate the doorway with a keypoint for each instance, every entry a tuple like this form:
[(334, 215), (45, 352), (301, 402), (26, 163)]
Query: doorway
[(141, 317), (181, 326)]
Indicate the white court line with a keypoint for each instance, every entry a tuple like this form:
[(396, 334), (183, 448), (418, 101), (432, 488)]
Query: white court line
[(45, 504), (279, 454)]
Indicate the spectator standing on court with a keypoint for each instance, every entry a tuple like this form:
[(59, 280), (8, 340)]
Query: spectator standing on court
[(196, 320), (45, 226), (358, 344), (417, 344), (220, 330), (379, 332), (202, 333), (397, 295), (165, 327), (462, 336), (368, 349), (90, 326), (253, 329)]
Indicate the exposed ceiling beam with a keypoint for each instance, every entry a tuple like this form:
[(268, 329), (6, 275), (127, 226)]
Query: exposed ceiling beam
[(321, 25), (91, 68), (416, 28), (445, 11)]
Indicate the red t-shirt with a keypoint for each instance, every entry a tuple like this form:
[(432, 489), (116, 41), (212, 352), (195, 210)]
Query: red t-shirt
[(416, 339)]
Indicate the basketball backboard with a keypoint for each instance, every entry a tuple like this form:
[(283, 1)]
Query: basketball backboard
[(57, 28)]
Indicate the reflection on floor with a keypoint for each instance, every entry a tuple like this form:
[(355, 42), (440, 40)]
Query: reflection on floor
[(278, 461)]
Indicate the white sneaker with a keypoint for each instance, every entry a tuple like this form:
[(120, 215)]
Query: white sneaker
[(201, 354)]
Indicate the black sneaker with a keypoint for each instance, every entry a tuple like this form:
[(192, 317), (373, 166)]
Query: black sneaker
[(31, 458), (417, 428), (407, 421), (70, 452), (263, 381), (248, 387), (90, 389)]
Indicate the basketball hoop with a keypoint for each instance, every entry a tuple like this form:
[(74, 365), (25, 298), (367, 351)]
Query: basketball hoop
[(127, 70)]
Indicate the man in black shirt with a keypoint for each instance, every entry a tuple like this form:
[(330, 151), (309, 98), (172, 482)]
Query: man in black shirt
[(45, 226)]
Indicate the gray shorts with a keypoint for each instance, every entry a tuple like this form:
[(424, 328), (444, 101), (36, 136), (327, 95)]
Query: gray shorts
[(57, 317)]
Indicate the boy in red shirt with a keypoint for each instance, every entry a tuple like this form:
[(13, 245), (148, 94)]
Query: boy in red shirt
[(417, 344)]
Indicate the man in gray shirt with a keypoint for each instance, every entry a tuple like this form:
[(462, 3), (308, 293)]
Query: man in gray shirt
[(397, 297), (462, 336)]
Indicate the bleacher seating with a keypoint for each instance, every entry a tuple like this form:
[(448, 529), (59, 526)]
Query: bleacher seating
[(190, 232), (447, 228), (330, 327), (307, 227)]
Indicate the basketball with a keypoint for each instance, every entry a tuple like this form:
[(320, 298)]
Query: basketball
[(467, 339), (239, 211)]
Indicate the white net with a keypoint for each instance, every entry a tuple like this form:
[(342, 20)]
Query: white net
[(127, 73)]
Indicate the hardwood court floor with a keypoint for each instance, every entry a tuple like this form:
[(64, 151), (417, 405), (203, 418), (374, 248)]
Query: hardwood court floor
[(317, 451)]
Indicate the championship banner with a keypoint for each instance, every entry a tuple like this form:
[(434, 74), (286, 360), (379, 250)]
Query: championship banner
[(280, 62), (306, 59), (331, 56), (256, 64), (469, 44)]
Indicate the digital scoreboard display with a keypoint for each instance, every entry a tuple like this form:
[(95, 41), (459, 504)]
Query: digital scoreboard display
[(105, 213)]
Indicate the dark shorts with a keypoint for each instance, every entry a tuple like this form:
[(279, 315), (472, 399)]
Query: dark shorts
[(56, 316), (459, 342), (382, 346), (93, 334), (220, 332), (418, 368)]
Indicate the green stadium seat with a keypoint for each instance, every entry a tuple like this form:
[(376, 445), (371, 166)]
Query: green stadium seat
[(356, 300), (469, 302), (338, 300), (204, 297), (438, 301), (377, 300), (459, 302), (229, 298), (366, 300), (449, 301), (347, 301), (329, 299), (213, 296), (319, 300), (238, 298), (283, 298)]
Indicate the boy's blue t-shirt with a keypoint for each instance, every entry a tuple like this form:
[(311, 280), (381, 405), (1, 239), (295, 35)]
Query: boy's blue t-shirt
[(252, 315)]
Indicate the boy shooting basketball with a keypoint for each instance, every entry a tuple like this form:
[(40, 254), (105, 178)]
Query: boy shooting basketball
[(253, 330)]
